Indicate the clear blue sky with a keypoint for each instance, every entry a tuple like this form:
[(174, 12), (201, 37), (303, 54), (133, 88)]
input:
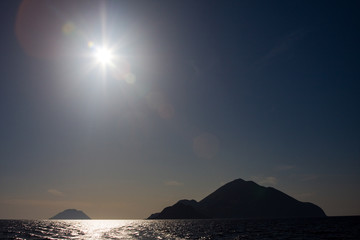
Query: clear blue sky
[(198, 93)]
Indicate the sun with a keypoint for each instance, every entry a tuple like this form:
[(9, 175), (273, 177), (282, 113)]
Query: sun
[(104, 56)]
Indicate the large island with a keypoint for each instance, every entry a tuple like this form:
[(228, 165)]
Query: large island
[(241, 199)]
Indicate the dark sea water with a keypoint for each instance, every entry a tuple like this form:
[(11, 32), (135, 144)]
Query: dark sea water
[(316, 228)]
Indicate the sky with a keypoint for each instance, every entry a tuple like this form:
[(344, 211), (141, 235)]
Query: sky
[(192, 95)]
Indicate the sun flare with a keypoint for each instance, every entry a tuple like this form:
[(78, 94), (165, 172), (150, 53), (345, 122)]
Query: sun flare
[(104, 56)]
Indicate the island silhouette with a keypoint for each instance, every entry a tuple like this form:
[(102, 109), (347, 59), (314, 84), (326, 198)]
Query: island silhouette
[(241, 199), (71, 214)]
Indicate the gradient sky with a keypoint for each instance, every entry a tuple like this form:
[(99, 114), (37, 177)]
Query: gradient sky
[(205, 92)]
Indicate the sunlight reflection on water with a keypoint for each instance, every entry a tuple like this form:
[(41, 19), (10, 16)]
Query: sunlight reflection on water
[(316, 228), (99, 229)]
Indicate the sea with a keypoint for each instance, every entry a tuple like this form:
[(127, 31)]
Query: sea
[(300, 228)]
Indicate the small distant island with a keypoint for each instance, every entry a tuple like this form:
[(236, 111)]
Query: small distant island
[(241, 199), (70, 214)]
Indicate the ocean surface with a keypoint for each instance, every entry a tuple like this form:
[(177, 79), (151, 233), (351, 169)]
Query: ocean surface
[(316, 228)]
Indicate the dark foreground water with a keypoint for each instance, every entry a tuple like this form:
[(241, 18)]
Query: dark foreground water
[(321, 228)]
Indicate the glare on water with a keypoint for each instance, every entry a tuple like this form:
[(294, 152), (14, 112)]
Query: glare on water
[(311, 228)]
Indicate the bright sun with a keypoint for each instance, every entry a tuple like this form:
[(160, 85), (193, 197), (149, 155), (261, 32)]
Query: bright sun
[(104, 56)]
